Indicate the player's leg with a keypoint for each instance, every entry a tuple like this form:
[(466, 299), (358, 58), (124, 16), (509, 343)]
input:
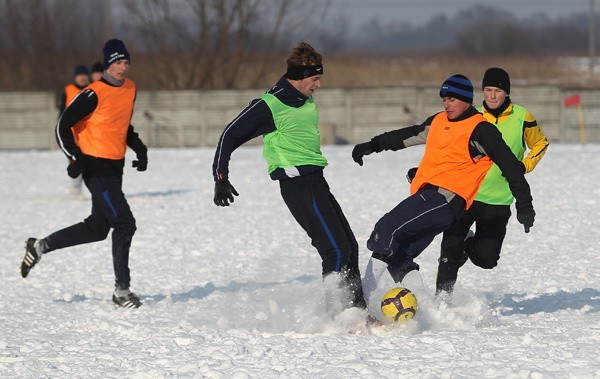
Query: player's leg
[(453, 255), (309, 201), (119, 215), (352, 270), (403, 233), (94, 228), (485, 246)]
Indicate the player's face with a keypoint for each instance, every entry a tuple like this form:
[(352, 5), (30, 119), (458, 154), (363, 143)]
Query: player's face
[(96, 75), (309, 85), (454, 107), (118, 69), (494, 97), (81, 80)]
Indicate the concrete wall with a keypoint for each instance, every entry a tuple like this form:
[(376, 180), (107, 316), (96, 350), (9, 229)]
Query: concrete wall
[(197, 118)]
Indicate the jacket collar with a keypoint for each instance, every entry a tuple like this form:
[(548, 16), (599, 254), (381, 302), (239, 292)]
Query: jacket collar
[(504, 110), (288, 94)]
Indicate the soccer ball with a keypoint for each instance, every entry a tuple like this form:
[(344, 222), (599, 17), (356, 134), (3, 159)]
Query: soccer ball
[(399, 305)]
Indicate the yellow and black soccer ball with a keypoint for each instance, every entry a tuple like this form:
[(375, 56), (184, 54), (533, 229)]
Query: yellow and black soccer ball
[(399, 305)]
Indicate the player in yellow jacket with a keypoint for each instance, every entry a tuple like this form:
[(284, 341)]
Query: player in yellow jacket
[(490, 211)]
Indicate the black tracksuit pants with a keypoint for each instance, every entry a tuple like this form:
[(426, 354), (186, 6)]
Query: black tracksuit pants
[(316, 210), (483, 249), (109, 210)]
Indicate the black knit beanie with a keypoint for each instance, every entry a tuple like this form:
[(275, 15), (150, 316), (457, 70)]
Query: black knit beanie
[(97, 67), (81, 70), (114, 50), (496, 77)]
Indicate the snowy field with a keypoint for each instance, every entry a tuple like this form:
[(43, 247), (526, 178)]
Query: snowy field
[(236, 292)]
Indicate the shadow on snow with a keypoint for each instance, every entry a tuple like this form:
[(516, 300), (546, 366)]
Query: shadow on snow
[(511, 304), (200, 292), (159, 193)]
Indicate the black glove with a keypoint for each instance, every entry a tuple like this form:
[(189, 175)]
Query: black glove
[(361, 150), (526, 218), (411, 173), (75, 168), (142, 161), (224, 192)]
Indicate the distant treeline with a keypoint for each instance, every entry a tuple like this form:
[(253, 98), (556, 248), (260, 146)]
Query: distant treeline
[(174, 44), (209, 44), (479, 30)]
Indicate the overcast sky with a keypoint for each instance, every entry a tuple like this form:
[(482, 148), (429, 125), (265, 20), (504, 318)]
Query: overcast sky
[(357, 12)]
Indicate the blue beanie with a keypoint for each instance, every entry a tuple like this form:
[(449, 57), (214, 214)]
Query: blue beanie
[(114, 50), (81, 70), (459, 87)]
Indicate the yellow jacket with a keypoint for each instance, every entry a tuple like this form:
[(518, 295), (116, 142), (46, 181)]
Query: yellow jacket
[(532, 135)]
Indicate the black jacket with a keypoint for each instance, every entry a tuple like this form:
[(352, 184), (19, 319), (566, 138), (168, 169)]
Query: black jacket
[(485, 140), (81, 107), (257, 120)]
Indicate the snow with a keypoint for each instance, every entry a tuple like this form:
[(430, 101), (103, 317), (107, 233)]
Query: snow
[(236, 292)]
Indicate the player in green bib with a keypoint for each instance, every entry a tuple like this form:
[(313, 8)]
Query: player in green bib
[(287, 119), (491, 210)]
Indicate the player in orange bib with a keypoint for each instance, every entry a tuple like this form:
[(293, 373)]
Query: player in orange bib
[(94, 132), (81, 78), (460, 146)]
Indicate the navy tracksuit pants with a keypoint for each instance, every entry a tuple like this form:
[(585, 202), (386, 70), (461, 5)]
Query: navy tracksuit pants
[(109, 210), (317, 211), (405, 231)]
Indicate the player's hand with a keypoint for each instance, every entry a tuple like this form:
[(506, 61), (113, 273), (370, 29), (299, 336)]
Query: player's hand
[(411, 173), (75, 168), (224, 193), (141, 164), (360, 151), (526, 218)]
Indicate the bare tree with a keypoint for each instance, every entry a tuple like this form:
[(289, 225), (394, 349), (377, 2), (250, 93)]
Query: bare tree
[(43, 40), (209, 43)]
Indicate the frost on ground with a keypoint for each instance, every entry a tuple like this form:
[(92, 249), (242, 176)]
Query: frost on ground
[(236, 292)]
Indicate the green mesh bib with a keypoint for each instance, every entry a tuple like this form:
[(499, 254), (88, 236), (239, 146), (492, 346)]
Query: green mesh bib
[(494, 188), (296, 139)]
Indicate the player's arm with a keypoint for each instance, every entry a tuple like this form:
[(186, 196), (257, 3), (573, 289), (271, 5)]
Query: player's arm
[(135, 143), (395, 140), (83, 105), (141, 151), (487, 139), (255, 120), (536, 142), (402, 138), (62, 102)]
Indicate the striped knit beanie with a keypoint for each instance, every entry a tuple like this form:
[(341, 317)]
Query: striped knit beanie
[(459, 87)]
